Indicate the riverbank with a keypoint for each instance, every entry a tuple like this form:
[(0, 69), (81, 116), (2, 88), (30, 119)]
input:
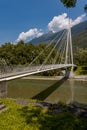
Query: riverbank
[(81, 77), (41, 116), (48, 90), (76, 77), (44, 77)]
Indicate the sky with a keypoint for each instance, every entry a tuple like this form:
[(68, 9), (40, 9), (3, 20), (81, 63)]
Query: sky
[(26, 19)]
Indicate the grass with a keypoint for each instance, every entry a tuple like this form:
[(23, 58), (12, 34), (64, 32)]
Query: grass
[(19, 117), (81, 70)]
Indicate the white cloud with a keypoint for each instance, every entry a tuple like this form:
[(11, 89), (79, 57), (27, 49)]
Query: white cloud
[(31, 33), (78, 19), (61, 22), (56, 24)]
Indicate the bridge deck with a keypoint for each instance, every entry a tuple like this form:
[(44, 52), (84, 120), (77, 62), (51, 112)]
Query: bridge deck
[(22, 72)]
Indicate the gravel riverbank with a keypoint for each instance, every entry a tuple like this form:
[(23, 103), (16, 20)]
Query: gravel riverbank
[(81, 77), (44, 78), (78, 77)]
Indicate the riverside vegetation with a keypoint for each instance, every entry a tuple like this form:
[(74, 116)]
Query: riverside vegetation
[(19, 117), (22, 116), (23, 54), (31, 117)]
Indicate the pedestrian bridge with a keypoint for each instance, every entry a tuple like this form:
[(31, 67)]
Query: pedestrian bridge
[(29, 70), (62, 59)]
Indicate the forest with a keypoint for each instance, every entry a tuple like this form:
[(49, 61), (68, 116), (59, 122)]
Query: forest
[(23, 54)]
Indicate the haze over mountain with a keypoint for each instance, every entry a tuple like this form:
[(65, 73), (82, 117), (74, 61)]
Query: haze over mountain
[(79, 36)]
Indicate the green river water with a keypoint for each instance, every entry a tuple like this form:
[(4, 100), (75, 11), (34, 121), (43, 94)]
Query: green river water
[(48, 90)]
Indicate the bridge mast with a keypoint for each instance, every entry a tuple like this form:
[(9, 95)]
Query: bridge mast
[(69, 43), (69, 46)]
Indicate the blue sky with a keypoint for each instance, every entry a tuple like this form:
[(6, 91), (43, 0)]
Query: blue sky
[(26, 19)]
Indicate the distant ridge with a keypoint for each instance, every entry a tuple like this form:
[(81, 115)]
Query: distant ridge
[(79, 28), (79, 34), (80, 40)]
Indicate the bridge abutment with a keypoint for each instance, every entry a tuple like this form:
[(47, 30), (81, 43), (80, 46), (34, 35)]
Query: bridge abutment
[(69, 73), (3, 89)]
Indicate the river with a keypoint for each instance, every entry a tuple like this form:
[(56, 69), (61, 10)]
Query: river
[(48, 90)]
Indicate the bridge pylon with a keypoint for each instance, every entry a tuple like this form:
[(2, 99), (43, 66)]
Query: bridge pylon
[(3, 89), (69, 52)]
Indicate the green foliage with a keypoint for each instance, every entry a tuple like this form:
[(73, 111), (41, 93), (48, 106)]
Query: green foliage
[(80, 40), (85, 8), (69, 3), (80, 56), (24, 54), (81, 70), (19, 117), (72, 3), (3, 65)]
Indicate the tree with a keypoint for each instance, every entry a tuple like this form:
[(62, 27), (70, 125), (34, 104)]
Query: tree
[(3, 65), (7, 52), (85, 8), (69, 3)]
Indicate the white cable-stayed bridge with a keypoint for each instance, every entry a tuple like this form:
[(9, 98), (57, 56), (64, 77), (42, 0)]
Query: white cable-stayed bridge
[(62, 59), (32, 70)]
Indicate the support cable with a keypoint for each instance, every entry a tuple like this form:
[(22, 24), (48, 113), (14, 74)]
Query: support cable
[(51, 51), (63, 53), (66, 57), (44, 49), (59, 49), (62, 49)]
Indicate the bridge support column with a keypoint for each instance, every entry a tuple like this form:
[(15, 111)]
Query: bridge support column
[(3, 89), (69, 73)]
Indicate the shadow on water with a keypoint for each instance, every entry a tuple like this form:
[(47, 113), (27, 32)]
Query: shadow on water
[(45, 93)]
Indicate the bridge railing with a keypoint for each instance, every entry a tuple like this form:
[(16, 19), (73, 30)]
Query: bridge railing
[(18, 70)]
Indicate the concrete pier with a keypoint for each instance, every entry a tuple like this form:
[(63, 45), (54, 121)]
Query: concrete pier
[(69, 73), (3, 89)]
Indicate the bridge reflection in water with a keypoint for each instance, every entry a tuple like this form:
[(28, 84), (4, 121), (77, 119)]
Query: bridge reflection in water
[(67, 91), (65, 60), (45, 93)]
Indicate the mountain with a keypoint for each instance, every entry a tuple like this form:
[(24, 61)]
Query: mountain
[(45, 38), (79, 36), (80, 40), (79, 28)]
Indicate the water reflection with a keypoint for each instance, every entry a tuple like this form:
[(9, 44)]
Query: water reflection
[(44, 94), (72, 90), (48, 90)]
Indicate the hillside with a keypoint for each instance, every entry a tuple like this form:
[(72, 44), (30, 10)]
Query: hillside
[(79, 28), (45, 38), (79, 36), (80, 40)]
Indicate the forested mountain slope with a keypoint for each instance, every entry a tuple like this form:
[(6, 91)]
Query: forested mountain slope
[(80, 40), (79, 36)]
